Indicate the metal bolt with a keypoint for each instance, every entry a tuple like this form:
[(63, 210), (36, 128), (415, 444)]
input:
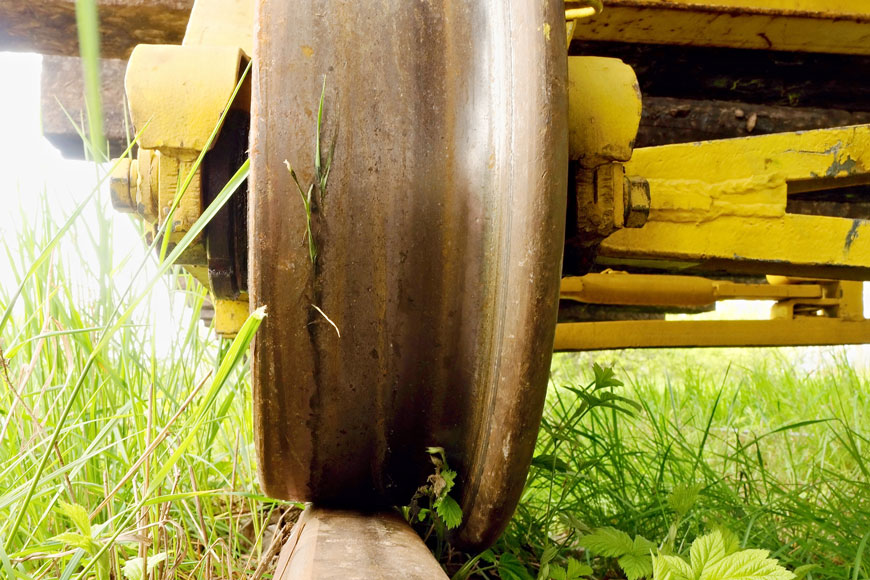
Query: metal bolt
[(120, 187), (637, 201)]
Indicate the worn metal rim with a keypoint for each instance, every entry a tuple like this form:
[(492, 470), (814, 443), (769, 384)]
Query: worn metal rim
[(438, 240)]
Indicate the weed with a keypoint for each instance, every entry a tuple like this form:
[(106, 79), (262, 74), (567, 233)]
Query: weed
[(441, 512), (321, 179)]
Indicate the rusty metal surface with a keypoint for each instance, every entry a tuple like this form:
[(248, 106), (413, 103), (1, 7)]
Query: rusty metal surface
[(439, 239), (226, 235)]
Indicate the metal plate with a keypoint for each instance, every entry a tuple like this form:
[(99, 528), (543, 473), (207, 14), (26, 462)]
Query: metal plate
[(439, 241)]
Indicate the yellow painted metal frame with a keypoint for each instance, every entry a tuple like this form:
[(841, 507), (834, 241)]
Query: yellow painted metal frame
[(835, 26), (722, 205)]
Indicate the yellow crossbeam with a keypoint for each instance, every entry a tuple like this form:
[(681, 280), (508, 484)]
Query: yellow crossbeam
[(834, 26), (700, 333)]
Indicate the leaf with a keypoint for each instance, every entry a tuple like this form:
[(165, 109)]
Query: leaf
[(549, 553), (449, 477), (608, 542), (510, 568), (671, 568), (706, 551), (449, 511), (75, 540), (558, 573), (642, 547), (636, 566), (577, 569), (604, 377), (439, 485), (79, 517), (683, 498), (133, 568), (746, 565), (730, 540), (550, 463), (573, 522)]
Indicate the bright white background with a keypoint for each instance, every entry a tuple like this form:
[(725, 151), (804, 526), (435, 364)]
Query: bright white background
[(31, 167)]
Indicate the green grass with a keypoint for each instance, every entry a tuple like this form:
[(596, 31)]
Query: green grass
[(156, 448), (778, 455)]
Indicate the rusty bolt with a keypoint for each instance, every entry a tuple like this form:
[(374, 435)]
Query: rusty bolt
[(120, 187), (637, 201)]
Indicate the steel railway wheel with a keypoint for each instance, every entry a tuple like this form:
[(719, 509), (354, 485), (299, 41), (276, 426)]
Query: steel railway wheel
[(438, 239)]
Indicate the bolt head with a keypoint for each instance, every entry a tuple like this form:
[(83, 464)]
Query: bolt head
[(637, 201)]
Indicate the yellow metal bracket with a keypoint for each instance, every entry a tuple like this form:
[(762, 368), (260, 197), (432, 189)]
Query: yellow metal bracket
[(178, 95), (806, 312), (726, 206), (604, 110)]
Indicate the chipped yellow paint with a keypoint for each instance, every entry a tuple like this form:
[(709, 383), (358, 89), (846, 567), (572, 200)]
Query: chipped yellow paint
[(724, 202), (546, 31), (604, 109), (836, 26)]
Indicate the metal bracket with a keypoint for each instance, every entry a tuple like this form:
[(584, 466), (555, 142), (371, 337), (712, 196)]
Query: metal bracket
[(177, 95), (806, 312), (739, 205)]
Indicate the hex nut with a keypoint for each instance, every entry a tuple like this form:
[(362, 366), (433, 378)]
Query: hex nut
[(637, 201), (119, 187)]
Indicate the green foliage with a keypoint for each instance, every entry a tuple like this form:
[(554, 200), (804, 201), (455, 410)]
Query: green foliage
[(449, 511), (511, 568), (633, 555), (432, 504), (79, 517), (108, 448), (134, 568), (708, 442), (438, 487), (572, 571), (710, 559)]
